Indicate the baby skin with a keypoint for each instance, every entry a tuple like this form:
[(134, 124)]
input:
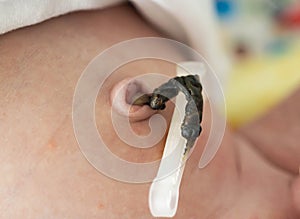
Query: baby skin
[(45, 175)]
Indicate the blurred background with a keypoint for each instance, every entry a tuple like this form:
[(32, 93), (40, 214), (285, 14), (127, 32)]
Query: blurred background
[(262, 38)]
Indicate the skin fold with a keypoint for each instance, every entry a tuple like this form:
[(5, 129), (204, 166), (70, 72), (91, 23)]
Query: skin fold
[(43, 172), (276, 134)]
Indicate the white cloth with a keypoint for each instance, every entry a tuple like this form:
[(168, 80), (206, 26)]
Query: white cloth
[(192, 21), (20, 13)]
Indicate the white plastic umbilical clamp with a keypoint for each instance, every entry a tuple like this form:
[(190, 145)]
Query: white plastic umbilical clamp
[(164, 190)]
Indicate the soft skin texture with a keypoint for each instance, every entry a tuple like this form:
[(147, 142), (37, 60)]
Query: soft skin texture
[(296, 193), (43, 172), (277, 133)]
